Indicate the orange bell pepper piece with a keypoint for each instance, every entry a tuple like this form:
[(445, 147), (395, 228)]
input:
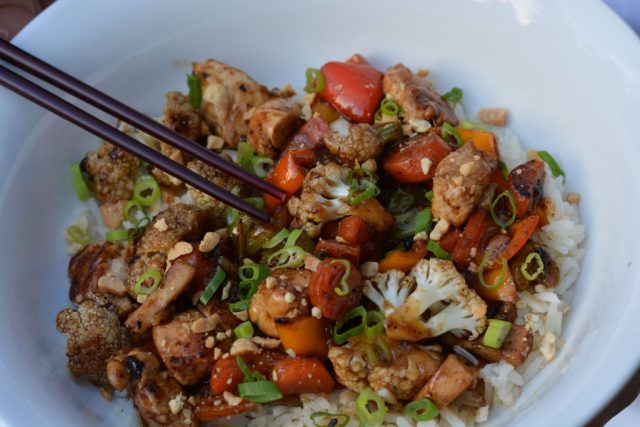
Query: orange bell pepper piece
[(521, 231), (482, 140), (403, 261), (305, 335), (505, 292), (353, 229)]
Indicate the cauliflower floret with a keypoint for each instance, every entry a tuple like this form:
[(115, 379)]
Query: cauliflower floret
[(396, 288), (325, 197), (219, 178), (360, 143), (440, 302)]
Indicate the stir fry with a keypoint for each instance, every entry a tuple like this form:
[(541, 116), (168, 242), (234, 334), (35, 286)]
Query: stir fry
[(392, 270)]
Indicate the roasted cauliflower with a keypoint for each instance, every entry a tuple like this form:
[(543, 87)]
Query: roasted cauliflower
[(432, 300)]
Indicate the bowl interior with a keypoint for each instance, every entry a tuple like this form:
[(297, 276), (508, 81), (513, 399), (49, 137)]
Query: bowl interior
[(568, 91)]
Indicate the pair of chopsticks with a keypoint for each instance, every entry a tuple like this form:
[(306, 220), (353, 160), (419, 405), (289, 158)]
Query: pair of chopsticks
[(46, 72)]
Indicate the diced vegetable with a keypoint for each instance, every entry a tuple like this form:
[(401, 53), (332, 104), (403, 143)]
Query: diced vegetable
[(521, 231), (335, 249), (422, 410), (324, 419), (80, 236), (416, 159), (497, 331), (302, 375), (213, 285), (288, 174), (472, 234), (503, 201), (211, 408), (195, 90), (226, 374), (353, 230), (243, 330), (353, 89), (525, 183), (448, 132), (556, 170), (482, 140), (79, 184), (436, 249), (335, 287), (403, 261), (370, 409), (305, 335), (315, 80), (141, 287), (146, 190)]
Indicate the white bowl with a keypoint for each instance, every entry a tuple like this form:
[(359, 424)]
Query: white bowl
[(568, 72)]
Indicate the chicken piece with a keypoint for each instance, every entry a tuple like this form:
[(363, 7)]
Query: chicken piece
[(459, 183), (94, 334), (215, 207), (271, 124), (126, 368), (283, 295), (184, 222), (157, 398), (87, 267), (151, 312), (416, 97), (141, 264), (227, 95), (515, 350), (183, 351), (399, 376), (451, 379), (111, 172), (360, 144)]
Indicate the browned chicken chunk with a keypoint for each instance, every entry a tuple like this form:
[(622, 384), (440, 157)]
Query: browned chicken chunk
[(360, 144), (400, 370), (459, 182), (126, 368), (152, 310), (180, 344), (271, 124), (282, 295), (451, 379), (97, 273), (183, 222), (94, 334), (111, 172), (140, 265), (417, 98), (227, 96), (515, 349)]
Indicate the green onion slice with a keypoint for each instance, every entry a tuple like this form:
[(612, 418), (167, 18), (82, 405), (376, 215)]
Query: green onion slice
[(344, 281), (213, 285), (116, 235), (486, 260), (253, 272), (429, 195), (258, 202), (370, 409), (504, 169), (454, 95), (556, 170), (276, 239), (258, 165), (232, 216), (315, 80), (436, 249), (405, 225), (423, 221), (512, 202), (244, 330), (259, 391), (339, 336), (466, 124), (195, 90), (524, 268), (146, 190), (78, 235), (154, 275), (291, 257), (249, 375), (448, 130), (374, 324), (293, 238), (324, 419), (390, 131), (422, 410), (389, 108), (361, 188), (496, 333), (128, 211), (79, 184), (244, 150)]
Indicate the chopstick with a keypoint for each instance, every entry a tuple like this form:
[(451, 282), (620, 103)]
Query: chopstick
[(58, 78), (86, 121)]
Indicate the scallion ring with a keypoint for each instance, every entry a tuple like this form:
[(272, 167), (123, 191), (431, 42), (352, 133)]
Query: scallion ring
[(276, 239), (344, 289), (422, 410), (448, 130), (370, 409), (486, 260), (253, 272), (258, 165), (466, 124), (244, 150), (429, 195), (258, 202), (291, 257), (153, 274), (423, 221), (512, 202), (116, 235), (374, 324), (340, 337), (390, 131), (524, 268), (556, 170), (195, 90), (436, 249), (331, 417), (146, 190), (78, 235), (315, 80), (232, 216), (293, 238), (259, 391), (79, 184), (363, 192), (244, 330), (213, 285), (128, 211), (389, 107), (496, 333)]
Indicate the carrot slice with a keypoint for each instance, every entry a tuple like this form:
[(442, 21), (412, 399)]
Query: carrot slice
[(403, 261), (405, 163), (521, 231), (226, 374), (305, 335), (472, 234), (302, 375), (335, 249), (353, 229)]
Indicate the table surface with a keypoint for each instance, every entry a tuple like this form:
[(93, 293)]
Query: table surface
[(624, 408)]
